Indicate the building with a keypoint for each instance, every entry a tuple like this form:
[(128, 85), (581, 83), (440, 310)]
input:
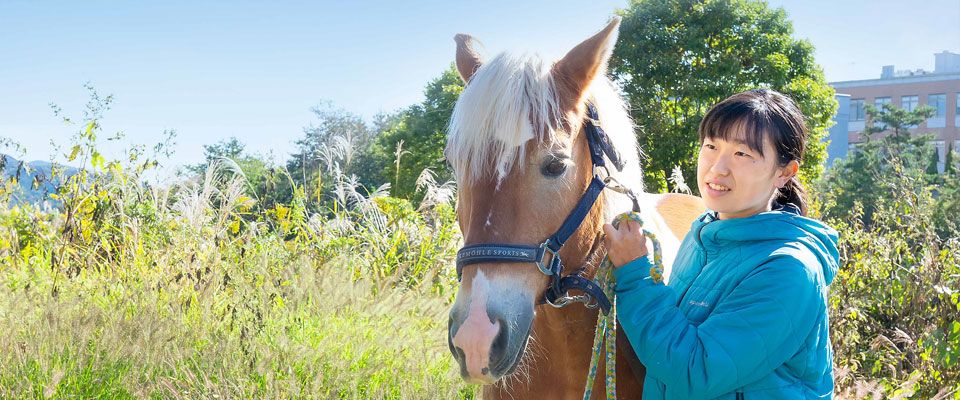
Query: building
[(939, 89), (837, 149)]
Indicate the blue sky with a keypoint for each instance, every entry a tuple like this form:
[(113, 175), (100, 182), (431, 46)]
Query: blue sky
[(211, 70)]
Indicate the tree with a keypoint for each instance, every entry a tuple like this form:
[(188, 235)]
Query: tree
[(677, 58), (948, 162), (337, 130), (896, 120), (864, 176), (932, 164), (423, 130), (341, 143), (230, 148), (257, 171), (328, 150)]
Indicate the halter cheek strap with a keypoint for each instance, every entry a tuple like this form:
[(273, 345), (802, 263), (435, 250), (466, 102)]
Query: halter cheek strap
[(557, 291)]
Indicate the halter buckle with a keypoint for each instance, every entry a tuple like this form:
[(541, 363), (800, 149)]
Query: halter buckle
[(554, 258), (567, 298)]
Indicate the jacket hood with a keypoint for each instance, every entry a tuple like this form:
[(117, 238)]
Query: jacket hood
[(784, 223)]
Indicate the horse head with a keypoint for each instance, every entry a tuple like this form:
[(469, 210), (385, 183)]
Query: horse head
[(517, 146)]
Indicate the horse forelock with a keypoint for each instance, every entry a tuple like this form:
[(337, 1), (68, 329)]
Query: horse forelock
[(512, 100)]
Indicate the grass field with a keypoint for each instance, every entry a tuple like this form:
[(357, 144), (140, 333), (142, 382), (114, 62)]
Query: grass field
[(202, 289), (189, 292)]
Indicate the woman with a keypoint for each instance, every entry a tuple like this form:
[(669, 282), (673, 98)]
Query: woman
[(744, 315)]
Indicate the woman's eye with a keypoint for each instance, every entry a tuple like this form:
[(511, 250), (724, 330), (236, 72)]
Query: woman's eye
[(554, 167), (740, 153), (709, 146)]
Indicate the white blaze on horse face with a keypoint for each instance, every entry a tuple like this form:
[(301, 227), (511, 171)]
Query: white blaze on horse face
[(476, 334)]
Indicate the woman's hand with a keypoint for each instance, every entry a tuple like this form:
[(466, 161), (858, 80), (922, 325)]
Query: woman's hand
[(624, 244)]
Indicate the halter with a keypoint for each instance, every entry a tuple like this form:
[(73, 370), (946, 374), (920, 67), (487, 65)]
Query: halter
[(557, 292)]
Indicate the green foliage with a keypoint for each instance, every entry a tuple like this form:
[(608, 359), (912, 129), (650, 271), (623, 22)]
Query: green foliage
[(199, 290), (677, 58), (396, 150), (948, 167), (261, 177), (896, 120), (895, 303), (337, 132), (229, 148), (932, 163), (331, 147), (865, 176), (423, 130)]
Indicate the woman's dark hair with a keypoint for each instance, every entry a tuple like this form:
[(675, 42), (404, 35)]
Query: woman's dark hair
[(764, 113)]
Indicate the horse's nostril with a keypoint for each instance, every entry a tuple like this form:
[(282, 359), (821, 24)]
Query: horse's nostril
[(498, 348), (453, 325)]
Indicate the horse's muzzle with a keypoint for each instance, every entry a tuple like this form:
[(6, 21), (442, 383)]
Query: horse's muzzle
[(488, 342)]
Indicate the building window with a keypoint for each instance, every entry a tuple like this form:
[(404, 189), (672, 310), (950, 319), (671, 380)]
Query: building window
[(956, 116), (938, 102), (880, 101), (909, 103), (881, 104), (856, 110)]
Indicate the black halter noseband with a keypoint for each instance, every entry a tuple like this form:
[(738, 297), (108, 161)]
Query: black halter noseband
[(559, 286)]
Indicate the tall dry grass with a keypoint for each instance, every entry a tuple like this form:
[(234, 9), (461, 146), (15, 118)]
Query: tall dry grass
[(196, 290)]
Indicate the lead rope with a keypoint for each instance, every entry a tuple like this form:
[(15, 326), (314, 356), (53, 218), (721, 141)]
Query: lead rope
[(606, 333)]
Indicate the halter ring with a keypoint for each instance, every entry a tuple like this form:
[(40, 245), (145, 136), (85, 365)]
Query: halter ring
[(606, 175)]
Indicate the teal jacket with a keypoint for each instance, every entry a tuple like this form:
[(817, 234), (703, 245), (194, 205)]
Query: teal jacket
[(744, 315)]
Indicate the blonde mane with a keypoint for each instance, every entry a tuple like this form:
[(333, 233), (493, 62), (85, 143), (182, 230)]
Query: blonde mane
[(507, 98)]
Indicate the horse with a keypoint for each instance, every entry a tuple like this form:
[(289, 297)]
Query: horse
[(518, 151)]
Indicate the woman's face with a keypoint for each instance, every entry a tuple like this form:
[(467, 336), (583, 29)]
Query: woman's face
[(736, 181)]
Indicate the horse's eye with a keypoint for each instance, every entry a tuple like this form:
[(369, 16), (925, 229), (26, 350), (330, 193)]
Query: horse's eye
[(554, 167)]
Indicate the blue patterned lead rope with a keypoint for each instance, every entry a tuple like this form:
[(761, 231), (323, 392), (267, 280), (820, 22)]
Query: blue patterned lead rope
[(605, 334)]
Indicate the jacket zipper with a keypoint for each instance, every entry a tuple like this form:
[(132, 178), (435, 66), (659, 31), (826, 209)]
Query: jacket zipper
[(699, 242)]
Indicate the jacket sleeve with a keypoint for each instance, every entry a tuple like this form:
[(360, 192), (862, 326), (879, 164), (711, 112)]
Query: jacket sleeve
[(760, 325)]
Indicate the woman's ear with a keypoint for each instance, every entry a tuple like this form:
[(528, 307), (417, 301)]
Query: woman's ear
[(787, 173)]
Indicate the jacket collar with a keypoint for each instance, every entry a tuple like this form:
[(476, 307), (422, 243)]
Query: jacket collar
[(711, 227), (710, 215)]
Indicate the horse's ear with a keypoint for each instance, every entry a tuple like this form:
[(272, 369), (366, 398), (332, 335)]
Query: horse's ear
[(468, 60), (580, 66)]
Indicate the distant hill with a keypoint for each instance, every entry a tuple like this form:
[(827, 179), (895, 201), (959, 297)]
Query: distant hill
[(28, 173)]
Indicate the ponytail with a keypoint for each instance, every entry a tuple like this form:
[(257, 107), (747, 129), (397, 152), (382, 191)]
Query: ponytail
[(793, 192)]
